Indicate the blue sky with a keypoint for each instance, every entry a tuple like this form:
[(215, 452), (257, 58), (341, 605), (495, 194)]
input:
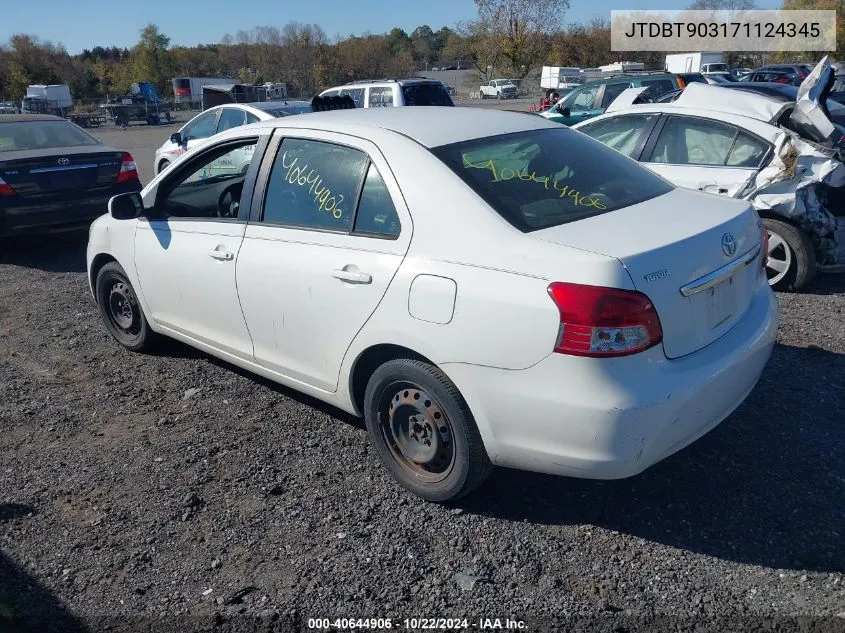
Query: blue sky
[(206, 21)]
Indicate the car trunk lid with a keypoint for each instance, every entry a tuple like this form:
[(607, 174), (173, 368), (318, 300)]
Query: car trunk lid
[(51, 172), (694, 255)]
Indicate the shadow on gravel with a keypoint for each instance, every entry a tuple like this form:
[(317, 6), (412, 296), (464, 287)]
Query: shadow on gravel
[(766, 487), (24, 604), (827, 285), (55, 253)]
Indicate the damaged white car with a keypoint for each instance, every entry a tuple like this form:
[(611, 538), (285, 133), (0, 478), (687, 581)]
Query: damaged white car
[(784, 158)]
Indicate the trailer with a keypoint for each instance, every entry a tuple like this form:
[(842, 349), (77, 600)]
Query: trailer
[(88, 119), (142, 103), (233, 93), (52, 99), (693, 62), (188, 90)]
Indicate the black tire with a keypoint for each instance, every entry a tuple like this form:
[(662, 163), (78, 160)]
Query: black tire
[(163, 165), (120, 310), (801, 256), (403, 390)]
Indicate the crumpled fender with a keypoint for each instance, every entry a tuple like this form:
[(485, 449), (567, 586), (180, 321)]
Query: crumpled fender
[(790, 187)]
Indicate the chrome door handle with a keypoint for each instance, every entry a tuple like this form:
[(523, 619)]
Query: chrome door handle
[(352, 277), (222, 255)]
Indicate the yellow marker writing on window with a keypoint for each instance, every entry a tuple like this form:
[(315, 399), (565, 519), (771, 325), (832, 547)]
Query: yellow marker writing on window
[(303, 177), (501, 174)]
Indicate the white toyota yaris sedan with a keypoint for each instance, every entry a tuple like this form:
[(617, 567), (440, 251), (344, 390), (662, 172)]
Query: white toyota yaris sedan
[(478, 295)]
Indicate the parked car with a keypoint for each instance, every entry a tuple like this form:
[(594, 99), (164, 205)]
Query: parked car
[(391, 93), (56, 176), (780, 73), (498, 89), (479, 296), (788, 93), (739, 73), (219, 119), (9, 107), (593, 97), (752, 147)]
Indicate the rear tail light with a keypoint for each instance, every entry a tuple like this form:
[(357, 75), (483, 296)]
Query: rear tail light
[(681, 83), (602, 322), (6, 189), (128, 168)]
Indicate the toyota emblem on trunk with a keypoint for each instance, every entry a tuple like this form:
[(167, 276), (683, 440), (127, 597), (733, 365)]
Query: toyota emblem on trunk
[(64, 161), (728, 244)]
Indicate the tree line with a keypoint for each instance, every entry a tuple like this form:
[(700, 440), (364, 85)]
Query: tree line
[(508, 37)]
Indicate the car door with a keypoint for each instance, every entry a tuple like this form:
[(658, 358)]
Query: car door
[(319, 252), (704, 154), (187, 243), (580, 105)]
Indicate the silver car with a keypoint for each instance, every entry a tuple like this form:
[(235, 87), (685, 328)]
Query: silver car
[(218, 119)]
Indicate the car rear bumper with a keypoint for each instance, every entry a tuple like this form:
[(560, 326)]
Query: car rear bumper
[(26, 215), (613, 418)]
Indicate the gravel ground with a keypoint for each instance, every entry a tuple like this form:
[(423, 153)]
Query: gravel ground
[(177, 491)]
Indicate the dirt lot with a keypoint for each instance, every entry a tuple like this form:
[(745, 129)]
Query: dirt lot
[(138, 490)]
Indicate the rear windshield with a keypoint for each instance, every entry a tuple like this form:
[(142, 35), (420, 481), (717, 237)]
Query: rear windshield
[(543, 178), (22, 135), (426, 94)]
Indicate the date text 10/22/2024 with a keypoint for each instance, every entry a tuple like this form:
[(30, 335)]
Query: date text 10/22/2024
[(417, 624)]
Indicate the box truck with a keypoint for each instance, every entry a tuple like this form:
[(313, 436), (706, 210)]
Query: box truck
[(554, 77), (695, 63)]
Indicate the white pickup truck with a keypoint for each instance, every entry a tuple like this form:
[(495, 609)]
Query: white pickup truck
[(498, 89)]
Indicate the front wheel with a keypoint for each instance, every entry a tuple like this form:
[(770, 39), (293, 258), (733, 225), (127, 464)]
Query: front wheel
[(423, 431), (120, 310), (791, 262)]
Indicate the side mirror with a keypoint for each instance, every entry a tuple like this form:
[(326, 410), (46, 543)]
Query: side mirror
[(566, 112), (176, 138), (126, 206)]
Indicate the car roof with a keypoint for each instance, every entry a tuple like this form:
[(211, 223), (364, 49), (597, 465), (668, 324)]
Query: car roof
[(28, 118), (430, 126), (272, 105), (630, 76)]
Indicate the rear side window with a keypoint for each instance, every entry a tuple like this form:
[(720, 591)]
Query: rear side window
[(543, 178), (376, 213), (381, 97), (314, 185), (611, 91), (229, 118), (427, 94), (622, 133), (356, 94)]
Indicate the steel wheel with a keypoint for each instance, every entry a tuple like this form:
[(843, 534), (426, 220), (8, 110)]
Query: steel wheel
[(123, 309), (779, 259), (417, 432)]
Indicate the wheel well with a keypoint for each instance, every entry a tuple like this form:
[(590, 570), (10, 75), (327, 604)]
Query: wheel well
[(371, 359), (99, 261), (161, 164)]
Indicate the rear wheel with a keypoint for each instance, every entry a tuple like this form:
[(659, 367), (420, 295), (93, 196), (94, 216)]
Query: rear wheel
[(423, 431), (120, 309), (791, 263), (163, 165)]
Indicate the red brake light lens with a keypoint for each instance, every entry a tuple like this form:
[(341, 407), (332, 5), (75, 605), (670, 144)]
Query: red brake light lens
[(602, 322), (128, 168), (6, 189)]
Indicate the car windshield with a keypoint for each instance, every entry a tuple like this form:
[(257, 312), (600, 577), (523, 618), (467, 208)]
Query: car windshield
[(543, 178), (24, 135), (426, 94)]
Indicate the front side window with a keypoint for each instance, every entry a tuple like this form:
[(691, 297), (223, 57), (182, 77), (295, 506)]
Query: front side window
[(622, 133), (229, 118), (692, 141), (314, 185), (381, 97), (201, 127), (210, 189), (583, 99), (532, 183)]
